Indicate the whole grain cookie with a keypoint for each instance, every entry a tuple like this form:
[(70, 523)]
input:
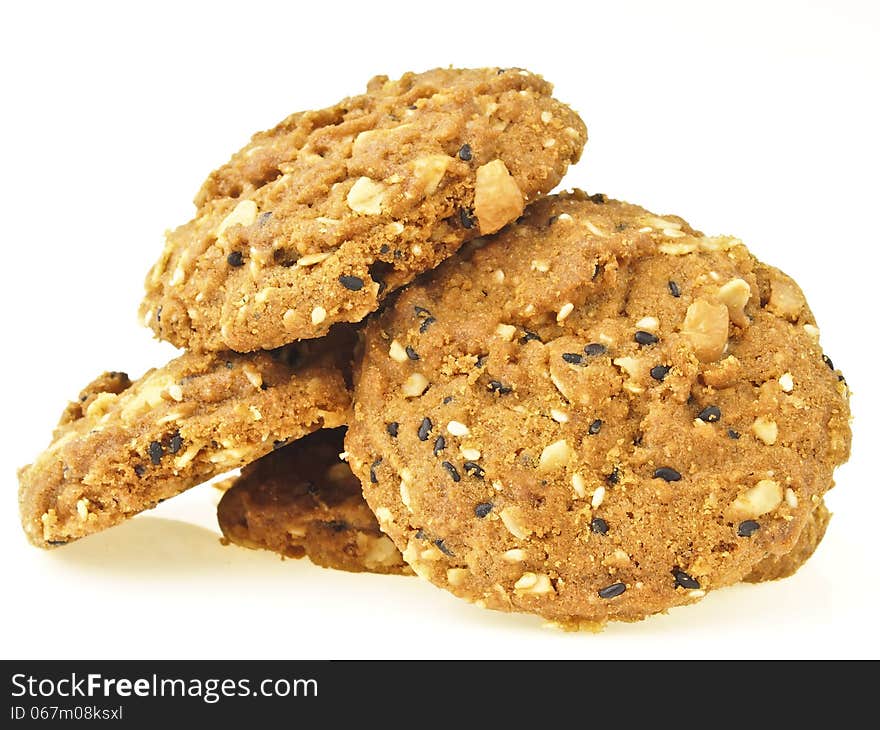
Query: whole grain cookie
[(123, 447), (302, 500), (317, 220), (596, 414)]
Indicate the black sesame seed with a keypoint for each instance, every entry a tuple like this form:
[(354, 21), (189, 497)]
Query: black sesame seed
[(235, 259), (411, 353), (465, 153), (447, 400), (595, 348), (496, 386), (481, 360), (595, 427), (156, 452), (384, 248), (176, 443), (710, 414), (667, 474), (645, 338), (426, 322), (373, 478), (425, 429), (420, 535), (352, 283), (674, 290), (551, 220), (441, 546), (614, 477), (683, 580), (393, 428), (597, 198), (612, 591), (229, 365), (466, 218), (598, 526), (747, 528), (472, 468), (573, 358), (57, 542), (264, 218), (439, 445), (658, 372), (278, 444), (732, 434), (453, 472), (529, 336), (421, 311), (827, 361), (481, 510), (140, 469)]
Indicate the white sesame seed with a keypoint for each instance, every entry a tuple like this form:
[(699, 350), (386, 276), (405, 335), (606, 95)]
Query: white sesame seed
[(578, 484), (563, 217), (457, 428), (470, 454), (564, 311), (310, 259), (319, 314), (514, 555), (646, 229), (558, 416), (598, 497), (176, 392), (498, 275), (791, 498), (546, 117), (812, 331), (648, 323)]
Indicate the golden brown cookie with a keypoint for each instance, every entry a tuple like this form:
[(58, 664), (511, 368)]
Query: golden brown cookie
[(318, 219), (596, 414), (774, 567), (123, 447), (302, 500)]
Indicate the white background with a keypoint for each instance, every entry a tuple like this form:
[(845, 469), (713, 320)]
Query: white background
[(758, 119)]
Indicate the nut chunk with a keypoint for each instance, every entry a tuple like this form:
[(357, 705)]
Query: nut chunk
[(705, 325), (497, 198)]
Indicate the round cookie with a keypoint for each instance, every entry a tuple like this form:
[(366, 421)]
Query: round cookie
[(301, 500), (596, 414), (317, 220), (123, 447)]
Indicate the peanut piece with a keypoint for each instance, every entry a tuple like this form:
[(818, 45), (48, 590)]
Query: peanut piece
[(497, 198)]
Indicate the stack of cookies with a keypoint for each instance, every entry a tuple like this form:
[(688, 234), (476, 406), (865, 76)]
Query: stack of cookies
[(424, 363)]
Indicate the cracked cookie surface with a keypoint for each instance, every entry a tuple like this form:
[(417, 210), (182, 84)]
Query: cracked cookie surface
[(317, 220), (301, 500), (123, 447), (596, 414)]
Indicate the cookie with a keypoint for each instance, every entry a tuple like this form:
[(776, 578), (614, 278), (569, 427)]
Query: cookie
[(775, 567), (596, 414), (317, 220), (123, 447), (302, 500)]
